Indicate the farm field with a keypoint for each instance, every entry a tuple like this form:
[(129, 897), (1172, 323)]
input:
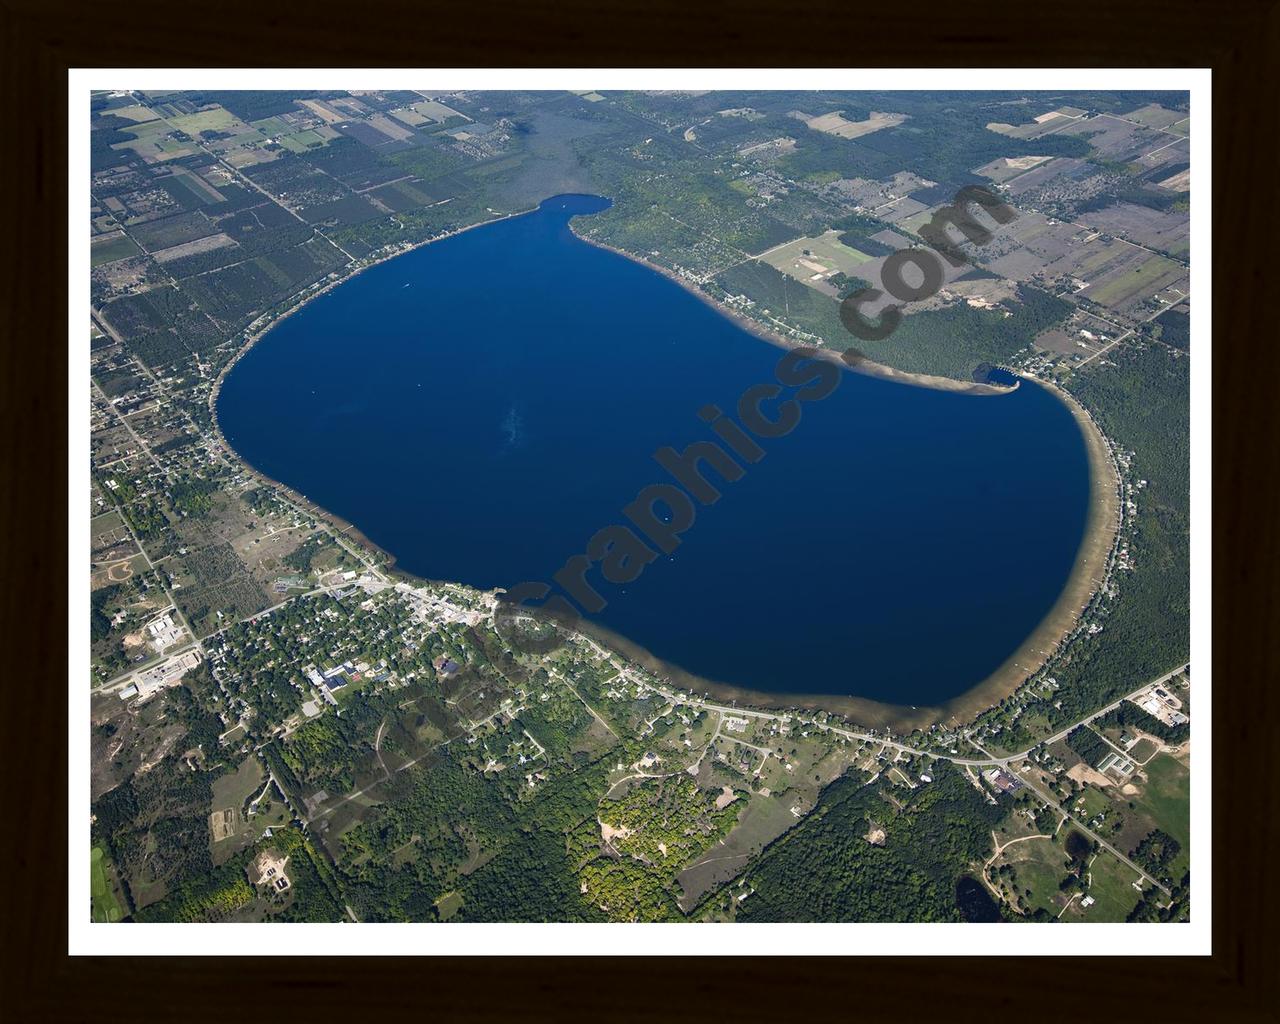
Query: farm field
[(812, 261), (1043, 124), (403, 750), (300, 142), (109, 248), (1005, 168), (842, 128), (1136, 281), (216, 119), (1155, 116), (1158, 229)]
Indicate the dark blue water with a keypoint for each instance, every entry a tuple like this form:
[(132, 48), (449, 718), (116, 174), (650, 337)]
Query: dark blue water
[(483, 405)]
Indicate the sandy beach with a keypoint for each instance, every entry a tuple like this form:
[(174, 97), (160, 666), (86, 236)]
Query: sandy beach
[(752, 326), (257, 332), (1086, 575)]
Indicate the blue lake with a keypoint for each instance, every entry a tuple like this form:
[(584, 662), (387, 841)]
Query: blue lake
[(481, 406)]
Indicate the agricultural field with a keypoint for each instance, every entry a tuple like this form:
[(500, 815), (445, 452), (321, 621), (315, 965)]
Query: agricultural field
[(1134, 281), (1155, 116), (109, 248), (213, 119), (194, 247), (842, 128), (813, 261), (136, 113), (1117, 139), (1166, 231), (1044, 124), (436, 111), (300, 142), (1006, 168), (408, 753)]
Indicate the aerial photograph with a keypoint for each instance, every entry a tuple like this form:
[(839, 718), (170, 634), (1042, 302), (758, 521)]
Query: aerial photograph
[(688, 506)]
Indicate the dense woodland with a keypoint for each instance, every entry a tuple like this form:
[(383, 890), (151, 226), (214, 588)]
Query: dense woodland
[(951, 342), (827, 870), (1142, 403), (457, 827)]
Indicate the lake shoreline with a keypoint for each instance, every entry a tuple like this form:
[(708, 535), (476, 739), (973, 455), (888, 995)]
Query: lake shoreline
[(864, 366), (1096, 546), (1087, 573), (257, 331), (1057, 625)]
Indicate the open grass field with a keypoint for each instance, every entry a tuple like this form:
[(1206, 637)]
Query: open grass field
[(1038, 867), (1167, 796), (812, 260), (137, 113), (234, 789), (229, 829), (1111, 886), (1135, 282), (107, 902), (109, 248), (1095, 801), (106, 530), (448, 905), (300, 142), (215, 120), (763, 821), (842, 128)]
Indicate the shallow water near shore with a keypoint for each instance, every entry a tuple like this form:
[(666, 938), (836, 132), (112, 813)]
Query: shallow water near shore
[(481, 406)]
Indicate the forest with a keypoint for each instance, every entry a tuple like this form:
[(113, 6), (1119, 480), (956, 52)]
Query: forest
[(1091, 747), (827, 870), (951, 341), (1143, 404)]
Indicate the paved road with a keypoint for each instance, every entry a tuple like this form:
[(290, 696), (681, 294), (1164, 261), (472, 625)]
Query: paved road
[(121, 681), (1051, 800), (1147, 319), (988, 761)]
